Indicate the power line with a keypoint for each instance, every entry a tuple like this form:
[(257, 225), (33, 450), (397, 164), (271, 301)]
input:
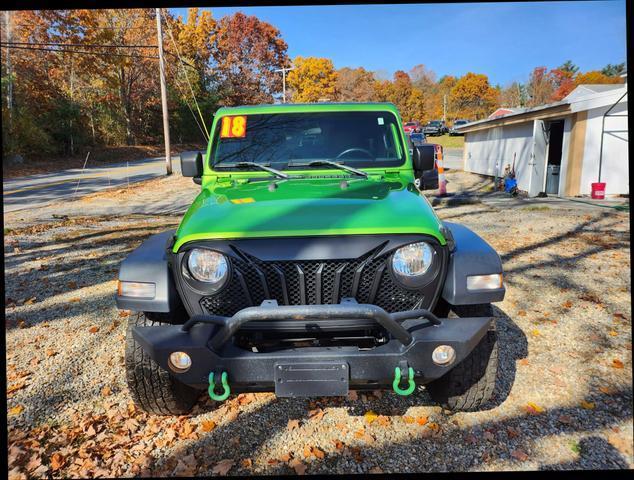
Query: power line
[(92, 45), (59, 50)]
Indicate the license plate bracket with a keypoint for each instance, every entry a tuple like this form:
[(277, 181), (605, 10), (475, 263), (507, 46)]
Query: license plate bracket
[(323, 379)]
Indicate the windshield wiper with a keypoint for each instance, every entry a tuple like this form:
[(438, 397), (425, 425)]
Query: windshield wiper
[(259, 166), (340, 166)]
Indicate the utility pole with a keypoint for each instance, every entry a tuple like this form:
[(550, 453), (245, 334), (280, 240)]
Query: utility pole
[(7, 28), (166, 124), (284, 70), (444, 108)]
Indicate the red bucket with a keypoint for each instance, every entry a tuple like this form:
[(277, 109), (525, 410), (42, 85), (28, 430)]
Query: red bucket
[(598, 190)]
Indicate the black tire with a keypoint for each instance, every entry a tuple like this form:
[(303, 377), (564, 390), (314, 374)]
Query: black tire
[(471, 383), (152, 388)]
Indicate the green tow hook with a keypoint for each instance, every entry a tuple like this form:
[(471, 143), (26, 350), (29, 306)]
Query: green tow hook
[(225, 385), (397, 380)]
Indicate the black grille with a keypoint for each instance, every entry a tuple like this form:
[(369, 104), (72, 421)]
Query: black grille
[(311, 282)]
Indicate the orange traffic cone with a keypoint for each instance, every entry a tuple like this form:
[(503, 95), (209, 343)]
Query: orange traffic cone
[(442, 181)]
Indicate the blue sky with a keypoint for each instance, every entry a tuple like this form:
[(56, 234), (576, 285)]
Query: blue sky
[(503, 40)]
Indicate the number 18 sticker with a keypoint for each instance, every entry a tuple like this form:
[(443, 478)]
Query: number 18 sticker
[(233, 127)]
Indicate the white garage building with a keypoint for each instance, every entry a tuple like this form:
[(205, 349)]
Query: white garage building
[(559, 148)]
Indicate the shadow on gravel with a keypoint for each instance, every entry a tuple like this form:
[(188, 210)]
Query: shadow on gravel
[(460, 447), (590, 449)]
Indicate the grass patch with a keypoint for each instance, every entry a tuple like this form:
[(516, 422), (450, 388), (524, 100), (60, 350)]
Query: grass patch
[(7, 230), (447, 141)]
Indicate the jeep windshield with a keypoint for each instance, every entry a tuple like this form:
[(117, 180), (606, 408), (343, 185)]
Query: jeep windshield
[(295, 140)]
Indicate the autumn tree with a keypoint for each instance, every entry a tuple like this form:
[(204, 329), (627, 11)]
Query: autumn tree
[(514, 95), (595, 77), (312, 79), (246, 51), (408, 99), (540, 87), (473, 97), (354, 84)]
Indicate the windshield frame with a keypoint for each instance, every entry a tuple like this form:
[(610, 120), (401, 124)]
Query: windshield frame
[(396, 127)]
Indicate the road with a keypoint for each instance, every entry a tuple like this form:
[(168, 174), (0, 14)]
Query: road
[(38, 190)]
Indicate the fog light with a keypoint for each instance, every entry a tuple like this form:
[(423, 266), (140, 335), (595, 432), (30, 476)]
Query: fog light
[(484, 282), (180, 362), (443, 355), (136, 289)]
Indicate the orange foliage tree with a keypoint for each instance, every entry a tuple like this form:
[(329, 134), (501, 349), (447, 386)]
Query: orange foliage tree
[(472, 97)]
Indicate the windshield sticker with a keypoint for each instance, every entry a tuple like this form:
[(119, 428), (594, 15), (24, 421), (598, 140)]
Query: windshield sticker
[(380, 120), (234, 127)]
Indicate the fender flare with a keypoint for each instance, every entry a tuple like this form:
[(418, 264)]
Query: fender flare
[(149, 263), (471, 256)]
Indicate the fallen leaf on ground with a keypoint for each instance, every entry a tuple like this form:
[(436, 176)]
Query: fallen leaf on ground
[(519, 455), (298, 466), (57, 461), (318, 453), (408, 419), (370, 416), (247, 463), (207, 425), (316, 414), (286, 457), (186, 467), (223, 467), (606, 390), (533, 408), (523, 361), (50, 352), (338, 444), (17, 410), (124, 313), (567, 304), (72, 285), (587, 405), (616, 363), (512, 432), (567, 419), (105, 391), (535, 332), (613, 333), (521, 313), (308, 451), (621, 444), (434, 426), (93, 329), (383, 420), (75, 300), (292, 424), (421, 420), (353, 395), (375, 470)]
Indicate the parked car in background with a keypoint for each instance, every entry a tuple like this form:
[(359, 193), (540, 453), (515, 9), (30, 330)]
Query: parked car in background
[(435, 127), (412, 127), (457, 123)]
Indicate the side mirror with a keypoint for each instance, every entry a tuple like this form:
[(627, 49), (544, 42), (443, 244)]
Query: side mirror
[(192, 164), (424, 158)]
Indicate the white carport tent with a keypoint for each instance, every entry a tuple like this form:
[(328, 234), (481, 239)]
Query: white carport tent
[(492, 144)]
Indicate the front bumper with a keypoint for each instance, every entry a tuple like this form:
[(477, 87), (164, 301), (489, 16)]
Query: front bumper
[(413, 336)]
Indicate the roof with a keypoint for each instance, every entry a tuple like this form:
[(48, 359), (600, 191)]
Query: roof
[(503, 111), (584, 97), (309, 107)]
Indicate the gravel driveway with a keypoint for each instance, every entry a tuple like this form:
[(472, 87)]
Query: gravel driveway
[(563, 399)]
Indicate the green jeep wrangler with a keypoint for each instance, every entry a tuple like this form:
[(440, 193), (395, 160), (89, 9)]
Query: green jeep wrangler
[(309, 265)]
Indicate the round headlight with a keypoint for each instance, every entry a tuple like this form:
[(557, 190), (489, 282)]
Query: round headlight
[(208, 266), (413, 260)]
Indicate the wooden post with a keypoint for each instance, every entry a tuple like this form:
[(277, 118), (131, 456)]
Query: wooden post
[(166, 125)]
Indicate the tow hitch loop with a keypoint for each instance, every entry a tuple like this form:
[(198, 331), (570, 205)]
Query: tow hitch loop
[(410, 381), (225, 385)]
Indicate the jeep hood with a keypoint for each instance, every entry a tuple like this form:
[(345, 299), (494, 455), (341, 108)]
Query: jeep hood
[(307, 207)]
